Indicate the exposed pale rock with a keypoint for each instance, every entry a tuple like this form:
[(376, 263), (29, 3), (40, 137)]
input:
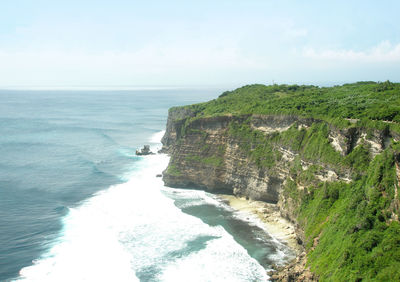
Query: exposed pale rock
[(337, 142), (329, 175), (209, 158)]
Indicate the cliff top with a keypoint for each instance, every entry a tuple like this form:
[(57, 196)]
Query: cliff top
[(329, 155), (370, 104)]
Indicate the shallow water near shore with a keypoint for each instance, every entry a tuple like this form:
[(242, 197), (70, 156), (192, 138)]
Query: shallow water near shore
[(78, 205)]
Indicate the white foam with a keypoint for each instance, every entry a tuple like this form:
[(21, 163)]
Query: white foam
[(156, 137), (222, 260), (132, 229), (196, 197), (90, 248), (283, 253)]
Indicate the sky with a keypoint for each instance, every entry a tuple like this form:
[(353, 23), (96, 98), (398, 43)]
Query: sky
[(197, 43)]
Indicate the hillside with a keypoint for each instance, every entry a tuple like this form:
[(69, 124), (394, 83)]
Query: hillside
[(328, 157), (363, 100)]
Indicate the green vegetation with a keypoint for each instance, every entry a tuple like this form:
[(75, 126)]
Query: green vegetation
[(358, 159), (352, 229), (312, 143), (255, 144), (210, 155), (371, 102), (350, 232), (213, 160), (173, 170)]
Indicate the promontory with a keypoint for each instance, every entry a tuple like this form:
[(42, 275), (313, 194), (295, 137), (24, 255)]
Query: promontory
[(328, 157)]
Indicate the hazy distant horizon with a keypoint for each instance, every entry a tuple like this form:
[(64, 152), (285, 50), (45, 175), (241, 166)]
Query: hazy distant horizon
[(197, 44), (161, 87)]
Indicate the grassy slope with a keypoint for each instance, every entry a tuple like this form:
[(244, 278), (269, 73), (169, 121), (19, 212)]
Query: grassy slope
[(357, 236), (369, 102), (350, 228)]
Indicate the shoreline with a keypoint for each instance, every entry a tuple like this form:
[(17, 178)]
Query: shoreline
[(282, 230), (274, 224)]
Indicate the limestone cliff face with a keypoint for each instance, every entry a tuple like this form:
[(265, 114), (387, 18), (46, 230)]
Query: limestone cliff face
[(176, 119), (205, 155), (208, 158), (268, 158)]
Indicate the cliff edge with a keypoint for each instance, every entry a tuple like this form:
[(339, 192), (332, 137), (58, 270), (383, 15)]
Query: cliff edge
[(335, 179)]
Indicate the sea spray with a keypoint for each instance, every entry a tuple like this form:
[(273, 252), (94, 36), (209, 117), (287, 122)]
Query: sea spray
[(134, 230), (155, 138), (141, 230), (59, 149)]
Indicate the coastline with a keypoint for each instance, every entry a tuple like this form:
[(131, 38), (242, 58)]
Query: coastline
[(274, 224), (282, 230)]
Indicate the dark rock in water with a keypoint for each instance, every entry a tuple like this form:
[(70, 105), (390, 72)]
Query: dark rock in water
[(296, 270), (144, 151), (159, 175)]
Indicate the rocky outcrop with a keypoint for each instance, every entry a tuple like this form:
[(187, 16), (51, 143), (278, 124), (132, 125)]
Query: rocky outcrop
[(275, 123), (176, 118), (208, 158), (144, 151), (345, 140), (294, 271), (206, 155)]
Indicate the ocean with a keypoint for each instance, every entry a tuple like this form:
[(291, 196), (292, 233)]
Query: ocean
[(77, 204)]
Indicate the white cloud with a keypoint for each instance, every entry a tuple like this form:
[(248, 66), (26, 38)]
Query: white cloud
[(384, 52)]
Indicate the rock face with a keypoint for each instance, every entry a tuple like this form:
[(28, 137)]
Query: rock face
[(208, 158), (144, 151), (205, 154), (294, 271)]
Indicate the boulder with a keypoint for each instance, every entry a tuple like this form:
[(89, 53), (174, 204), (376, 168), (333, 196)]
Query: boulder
[(144, 151)]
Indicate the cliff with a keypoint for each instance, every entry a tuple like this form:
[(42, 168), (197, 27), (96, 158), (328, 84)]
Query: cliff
[(308, 166)]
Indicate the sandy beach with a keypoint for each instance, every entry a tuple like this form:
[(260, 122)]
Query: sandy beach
[(274, 224)]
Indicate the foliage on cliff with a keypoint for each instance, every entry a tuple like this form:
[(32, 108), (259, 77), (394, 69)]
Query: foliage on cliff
[(255, 144), (352, 229), (374, 105)]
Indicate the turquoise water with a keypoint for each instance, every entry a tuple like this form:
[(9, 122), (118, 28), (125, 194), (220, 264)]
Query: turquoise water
[(76, 204)]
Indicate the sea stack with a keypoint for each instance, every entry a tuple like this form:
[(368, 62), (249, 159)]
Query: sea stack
[(144, 151)]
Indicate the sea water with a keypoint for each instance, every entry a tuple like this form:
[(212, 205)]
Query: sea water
[(77, 204)]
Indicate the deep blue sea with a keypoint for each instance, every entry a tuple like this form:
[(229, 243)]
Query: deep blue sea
[(76, 204)]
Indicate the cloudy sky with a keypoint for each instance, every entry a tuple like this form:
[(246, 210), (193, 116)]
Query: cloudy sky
[(197, 43)]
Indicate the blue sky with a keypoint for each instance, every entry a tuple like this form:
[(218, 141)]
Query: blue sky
[(197, 43)]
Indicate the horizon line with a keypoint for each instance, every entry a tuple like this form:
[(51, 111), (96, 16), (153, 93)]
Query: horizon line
[(163, 87), (108, 87)]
